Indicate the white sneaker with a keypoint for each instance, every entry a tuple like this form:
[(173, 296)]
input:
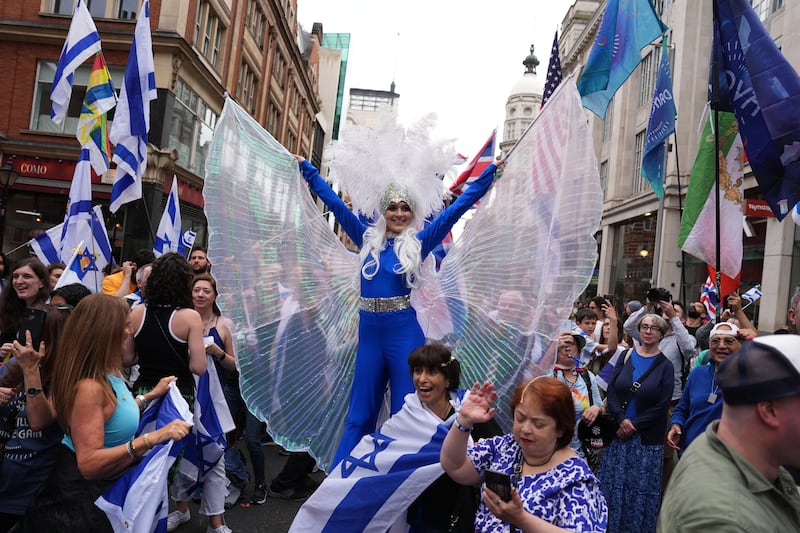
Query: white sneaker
[(176, 518), (221, 529)]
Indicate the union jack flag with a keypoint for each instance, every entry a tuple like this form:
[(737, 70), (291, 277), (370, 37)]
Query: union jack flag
[(482, 159), (708, 297)]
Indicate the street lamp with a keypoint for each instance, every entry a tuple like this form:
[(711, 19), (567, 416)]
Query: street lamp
[(8, 176)]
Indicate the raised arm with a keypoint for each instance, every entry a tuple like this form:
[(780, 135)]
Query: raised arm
[(349, 220), (433, 234)]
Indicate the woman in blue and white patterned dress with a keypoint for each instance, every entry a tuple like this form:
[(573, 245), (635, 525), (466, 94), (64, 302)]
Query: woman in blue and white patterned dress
[(552, 485)]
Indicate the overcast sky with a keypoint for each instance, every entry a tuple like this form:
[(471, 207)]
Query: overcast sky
[(458, 59)]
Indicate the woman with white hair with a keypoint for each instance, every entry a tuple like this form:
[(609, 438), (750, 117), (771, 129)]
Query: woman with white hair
[(392, 251)]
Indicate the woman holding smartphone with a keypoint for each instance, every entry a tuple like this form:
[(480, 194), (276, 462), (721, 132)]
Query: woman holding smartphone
[(552, 488)]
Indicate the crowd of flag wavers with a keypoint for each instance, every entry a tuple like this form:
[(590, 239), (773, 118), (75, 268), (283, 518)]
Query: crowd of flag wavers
[(124, 389)]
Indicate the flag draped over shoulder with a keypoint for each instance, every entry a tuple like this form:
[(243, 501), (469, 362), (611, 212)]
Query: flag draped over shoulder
[(387, 470), (168, 237), (626, 28), (660, 126), (476, 166), (138, 501), (84, 241), (82, 42), (554, 73), (100, 99), (763, 90), (132, 119), (697, 234)]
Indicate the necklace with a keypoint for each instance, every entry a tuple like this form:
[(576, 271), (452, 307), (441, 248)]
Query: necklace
[(446, 411), (209, 323), (539, 464)]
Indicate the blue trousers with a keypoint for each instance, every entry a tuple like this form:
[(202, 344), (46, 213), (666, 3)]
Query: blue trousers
[(385, 341)]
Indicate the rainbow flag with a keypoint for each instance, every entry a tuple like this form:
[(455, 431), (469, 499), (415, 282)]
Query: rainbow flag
[(100, 98)]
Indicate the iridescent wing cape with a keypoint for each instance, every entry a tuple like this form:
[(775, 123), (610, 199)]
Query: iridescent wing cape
[(291, 288)]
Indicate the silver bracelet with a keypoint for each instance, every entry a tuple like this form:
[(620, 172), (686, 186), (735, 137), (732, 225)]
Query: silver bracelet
[(461, 427), (132, 450)]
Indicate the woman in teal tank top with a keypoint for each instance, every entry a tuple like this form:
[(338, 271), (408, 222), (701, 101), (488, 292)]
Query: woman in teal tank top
[(99, 417)]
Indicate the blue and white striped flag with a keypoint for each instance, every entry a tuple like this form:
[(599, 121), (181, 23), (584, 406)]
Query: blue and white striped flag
[(84, 236), (373, 488), (47, 245), (753, 294), (138, 501), (132, 118), (82, 43), (212, 420), (168, 237)]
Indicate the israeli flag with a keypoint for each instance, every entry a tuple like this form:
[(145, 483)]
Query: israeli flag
[(47, 245), (132, 118), (189, 237), (138, 501), (372, 488), (82, 42), (753, 294), (85, 247), (168, 237), (212, 420)]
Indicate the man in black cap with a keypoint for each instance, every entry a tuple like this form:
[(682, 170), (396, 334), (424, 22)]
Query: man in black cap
[(731, 478)]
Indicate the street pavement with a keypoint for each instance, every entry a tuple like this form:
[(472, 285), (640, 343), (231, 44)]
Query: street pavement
[(274, 516)]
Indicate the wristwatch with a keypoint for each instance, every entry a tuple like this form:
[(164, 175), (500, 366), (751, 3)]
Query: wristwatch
[(33, 391)]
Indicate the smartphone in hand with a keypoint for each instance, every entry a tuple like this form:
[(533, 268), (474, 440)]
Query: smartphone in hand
[(499, 483)]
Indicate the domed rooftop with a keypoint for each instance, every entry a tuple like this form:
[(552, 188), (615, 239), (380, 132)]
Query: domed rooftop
[(530, 83)]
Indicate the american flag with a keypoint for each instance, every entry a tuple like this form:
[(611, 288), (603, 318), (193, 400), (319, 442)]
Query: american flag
[(553, 71)]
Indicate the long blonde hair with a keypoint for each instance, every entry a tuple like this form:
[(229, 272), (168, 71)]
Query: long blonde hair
[(91, 347), (407, 248)]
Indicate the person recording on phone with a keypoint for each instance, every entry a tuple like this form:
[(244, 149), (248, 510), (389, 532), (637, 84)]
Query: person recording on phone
[(550, 487)]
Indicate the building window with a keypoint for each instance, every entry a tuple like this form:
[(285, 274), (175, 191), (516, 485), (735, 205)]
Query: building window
[(40, 117), (247, 89), (604, 178), (191, 129), (274, 119), (279, 70), (106, 9), (256, 22), (649, 71), (209, 33), (639, 183), (765, 8), (608, 121)]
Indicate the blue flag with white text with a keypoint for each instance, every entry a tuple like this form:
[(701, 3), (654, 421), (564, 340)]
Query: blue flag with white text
[(138, 501), (168, 236), (660, 126), (626, 28), (763, 91), (132, 118)]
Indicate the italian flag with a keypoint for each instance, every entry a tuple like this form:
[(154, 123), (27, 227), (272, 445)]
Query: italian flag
[(698, 225)]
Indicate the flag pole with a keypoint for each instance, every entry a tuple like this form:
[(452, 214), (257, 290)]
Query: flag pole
[(715, 103)]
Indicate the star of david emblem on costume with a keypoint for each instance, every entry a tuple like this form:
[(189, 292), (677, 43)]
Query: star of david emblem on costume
[(379, 442)]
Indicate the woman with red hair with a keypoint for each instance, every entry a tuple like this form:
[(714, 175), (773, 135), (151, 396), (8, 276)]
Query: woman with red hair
[(550, 483)]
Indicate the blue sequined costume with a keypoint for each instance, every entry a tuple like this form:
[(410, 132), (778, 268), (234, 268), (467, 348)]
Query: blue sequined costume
[(385, 339)]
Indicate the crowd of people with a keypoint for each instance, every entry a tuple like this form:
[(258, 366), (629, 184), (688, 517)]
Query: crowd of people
[(593, 445)]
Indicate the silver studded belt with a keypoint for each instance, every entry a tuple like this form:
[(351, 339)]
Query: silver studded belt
[(385, 305)]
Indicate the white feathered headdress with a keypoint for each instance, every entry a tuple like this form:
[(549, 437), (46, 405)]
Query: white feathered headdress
[(387, 163)]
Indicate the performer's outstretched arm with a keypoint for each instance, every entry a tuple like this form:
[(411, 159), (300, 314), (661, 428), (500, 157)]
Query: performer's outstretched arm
[(349, 221), (433, 234)]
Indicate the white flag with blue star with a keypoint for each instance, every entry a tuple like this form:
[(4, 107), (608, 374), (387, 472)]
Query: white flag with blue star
[(372, 488), (84, 242), (168, 237)]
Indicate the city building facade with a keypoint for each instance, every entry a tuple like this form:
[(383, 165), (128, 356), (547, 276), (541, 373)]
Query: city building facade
[(638, 235), (204, 50)]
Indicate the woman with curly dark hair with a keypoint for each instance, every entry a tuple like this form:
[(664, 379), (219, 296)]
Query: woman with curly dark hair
[(29, 289), (168, 332)]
